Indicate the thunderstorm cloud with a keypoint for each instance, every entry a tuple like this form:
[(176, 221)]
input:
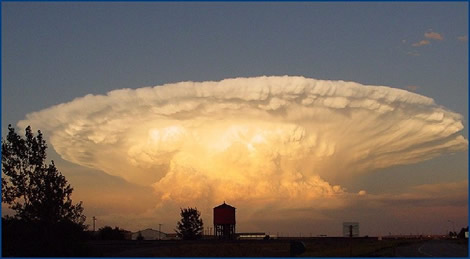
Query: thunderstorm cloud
[(253, 140)]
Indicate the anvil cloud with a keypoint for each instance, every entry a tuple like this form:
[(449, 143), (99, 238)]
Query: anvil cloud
[(270, 140)]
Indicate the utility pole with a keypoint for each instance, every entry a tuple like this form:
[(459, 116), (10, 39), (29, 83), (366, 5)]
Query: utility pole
[(94, 220), (160, 231), (350, 239)]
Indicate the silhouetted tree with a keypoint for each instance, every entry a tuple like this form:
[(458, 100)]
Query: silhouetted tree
[(190, 226), (108, 233), (31, 239), (46, 223), (34, 190), (462, 232)]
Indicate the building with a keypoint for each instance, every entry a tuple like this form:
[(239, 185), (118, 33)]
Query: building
[(253, 236), (224, 221), (172, 236), (149, 234)]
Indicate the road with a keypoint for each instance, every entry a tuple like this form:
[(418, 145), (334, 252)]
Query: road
[(433, 248)]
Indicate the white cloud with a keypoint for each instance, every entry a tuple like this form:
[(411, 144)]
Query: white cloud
[(433, 35), (265, 140), (463, 38), (421, 43)]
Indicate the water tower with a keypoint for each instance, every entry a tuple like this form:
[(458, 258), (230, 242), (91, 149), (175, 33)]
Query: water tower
[(224, 221)]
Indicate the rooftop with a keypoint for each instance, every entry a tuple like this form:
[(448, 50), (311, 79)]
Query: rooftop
[(224, 206)]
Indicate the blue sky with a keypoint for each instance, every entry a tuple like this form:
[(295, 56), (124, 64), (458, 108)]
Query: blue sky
[(54, 52), (73, 49)]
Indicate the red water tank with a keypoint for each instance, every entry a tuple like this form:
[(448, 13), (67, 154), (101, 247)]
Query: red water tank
[(224, 214)]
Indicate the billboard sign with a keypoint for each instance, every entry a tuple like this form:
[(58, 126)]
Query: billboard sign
[(350, 229)]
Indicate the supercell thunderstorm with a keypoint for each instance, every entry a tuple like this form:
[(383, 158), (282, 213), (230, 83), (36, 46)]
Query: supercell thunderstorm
[(258, 140)]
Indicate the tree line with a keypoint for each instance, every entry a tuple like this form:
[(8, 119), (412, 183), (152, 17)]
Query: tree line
[(46, 222)]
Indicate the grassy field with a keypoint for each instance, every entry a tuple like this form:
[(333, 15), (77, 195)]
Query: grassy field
[(315, 247)]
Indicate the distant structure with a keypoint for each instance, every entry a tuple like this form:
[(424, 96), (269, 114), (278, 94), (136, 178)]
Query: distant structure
[(94, 221), (255, 236), (224, 221), (350, 229), (149, 234)]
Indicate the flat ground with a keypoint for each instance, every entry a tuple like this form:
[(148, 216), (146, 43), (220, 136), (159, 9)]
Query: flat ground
[(315, 247), (434, 248)]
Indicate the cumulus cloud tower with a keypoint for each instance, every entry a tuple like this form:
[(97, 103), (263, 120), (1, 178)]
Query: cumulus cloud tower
[(249, 138)]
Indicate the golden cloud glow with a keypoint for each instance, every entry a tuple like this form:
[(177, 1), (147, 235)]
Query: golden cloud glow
[(275, 140)]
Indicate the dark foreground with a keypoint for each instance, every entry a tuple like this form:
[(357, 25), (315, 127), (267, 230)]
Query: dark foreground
[(315, 247), (434, 248)]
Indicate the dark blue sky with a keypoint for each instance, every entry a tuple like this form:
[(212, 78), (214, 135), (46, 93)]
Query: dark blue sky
[(55, 52)]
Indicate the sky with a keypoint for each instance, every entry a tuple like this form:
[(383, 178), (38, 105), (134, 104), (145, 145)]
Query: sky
[(300, 115)]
